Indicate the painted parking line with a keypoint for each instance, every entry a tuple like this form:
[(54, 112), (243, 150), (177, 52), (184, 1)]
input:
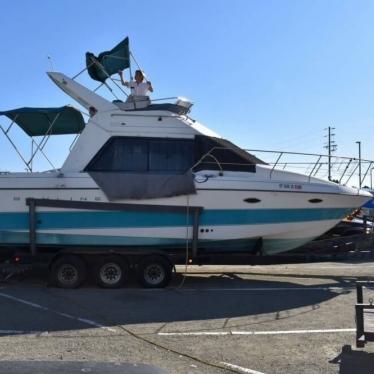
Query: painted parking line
[(66, 315), (258, 269), (240, 369), (205, 289), (305, 288), (270, 332)]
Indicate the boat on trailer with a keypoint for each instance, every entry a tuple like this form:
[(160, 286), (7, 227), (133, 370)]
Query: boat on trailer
[(144, 177)]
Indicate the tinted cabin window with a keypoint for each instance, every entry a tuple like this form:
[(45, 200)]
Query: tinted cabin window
[(122, 155), (172, 156), (229, 156)]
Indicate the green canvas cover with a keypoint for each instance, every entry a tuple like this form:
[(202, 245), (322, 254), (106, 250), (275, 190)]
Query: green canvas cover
[(37, 121), (109, 62)]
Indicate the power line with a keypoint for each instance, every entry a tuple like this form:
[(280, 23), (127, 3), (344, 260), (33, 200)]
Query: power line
[(289, 141)]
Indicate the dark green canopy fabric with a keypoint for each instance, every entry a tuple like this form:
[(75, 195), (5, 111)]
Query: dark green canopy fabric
[(109, 62), (37, 121)]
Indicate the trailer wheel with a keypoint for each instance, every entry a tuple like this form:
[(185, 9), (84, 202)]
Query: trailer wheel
[(68, 272), (154, 272), (111, 272)]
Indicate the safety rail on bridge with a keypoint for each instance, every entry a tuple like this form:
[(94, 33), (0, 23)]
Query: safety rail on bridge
[(338, 169)]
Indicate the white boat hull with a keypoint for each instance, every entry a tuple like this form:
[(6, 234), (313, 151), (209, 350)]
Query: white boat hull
[(283, 219)]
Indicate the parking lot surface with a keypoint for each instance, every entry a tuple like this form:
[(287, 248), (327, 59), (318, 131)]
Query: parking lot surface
[(295, 318)]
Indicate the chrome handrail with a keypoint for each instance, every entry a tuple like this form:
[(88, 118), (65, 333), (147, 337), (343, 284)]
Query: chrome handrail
[(319, 166)]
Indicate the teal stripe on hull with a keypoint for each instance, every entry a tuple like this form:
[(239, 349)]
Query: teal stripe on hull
[(104, 219), (270, 246), (91, 240)]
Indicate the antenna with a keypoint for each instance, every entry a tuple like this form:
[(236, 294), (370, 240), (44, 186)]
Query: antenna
[(50, 61)]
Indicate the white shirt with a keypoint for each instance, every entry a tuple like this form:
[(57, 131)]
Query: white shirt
[(138, 89)]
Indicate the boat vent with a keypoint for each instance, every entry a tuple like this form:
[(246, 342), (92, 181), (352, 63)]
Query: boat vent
[(252, 200), (315, 201)]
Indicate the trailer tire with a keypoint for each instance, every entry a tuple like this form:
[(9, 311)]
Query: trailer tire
[(154, 272), (111, 272), (68, 272)]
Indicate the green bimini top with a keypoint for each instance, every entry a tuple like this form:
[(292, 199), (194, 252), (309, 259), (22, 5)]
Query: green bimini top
[(47, 121), (109, 62)]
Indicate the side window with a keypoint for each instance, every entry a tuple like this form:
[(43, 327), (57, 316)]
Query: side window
[(174, 156), (171, 156), (228, 155), (122, 154)]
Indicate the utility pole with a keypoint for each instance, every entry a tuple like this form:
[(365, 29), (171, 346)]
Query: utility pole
[(359, 163), (330, 146)]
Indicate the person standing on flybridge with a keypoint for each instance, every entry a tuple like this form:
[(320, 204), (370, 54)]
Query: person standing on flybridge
[(138, 86)]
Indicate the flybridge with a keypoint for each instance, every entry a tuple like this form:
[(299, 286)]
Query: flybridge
[(102, 67)]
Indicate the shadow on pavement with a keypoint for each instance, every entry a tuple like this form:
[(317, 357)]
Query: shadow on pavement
[(66, 367), (139, 306), (354, 361), (193, 280)]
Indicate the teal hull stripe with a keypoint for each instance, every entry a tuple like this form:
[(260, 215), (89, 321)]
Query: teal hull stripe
[(106, 219), (270, 246)]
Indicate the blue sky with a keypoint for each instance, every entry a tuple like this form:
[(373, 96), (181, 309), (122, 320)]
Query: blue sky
[(264, 74)]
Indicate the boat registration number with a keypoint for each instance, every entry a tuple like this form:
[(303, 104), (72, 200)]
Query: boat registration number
[(290, 186)]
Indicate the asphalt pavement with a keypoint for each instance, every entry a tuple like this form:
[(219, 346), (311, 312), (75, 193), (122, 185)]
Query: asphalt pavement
[(295, 318)]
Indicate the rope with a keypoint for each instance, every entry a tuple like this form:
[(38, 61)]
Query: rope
[(158, 345), (181, 284)]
